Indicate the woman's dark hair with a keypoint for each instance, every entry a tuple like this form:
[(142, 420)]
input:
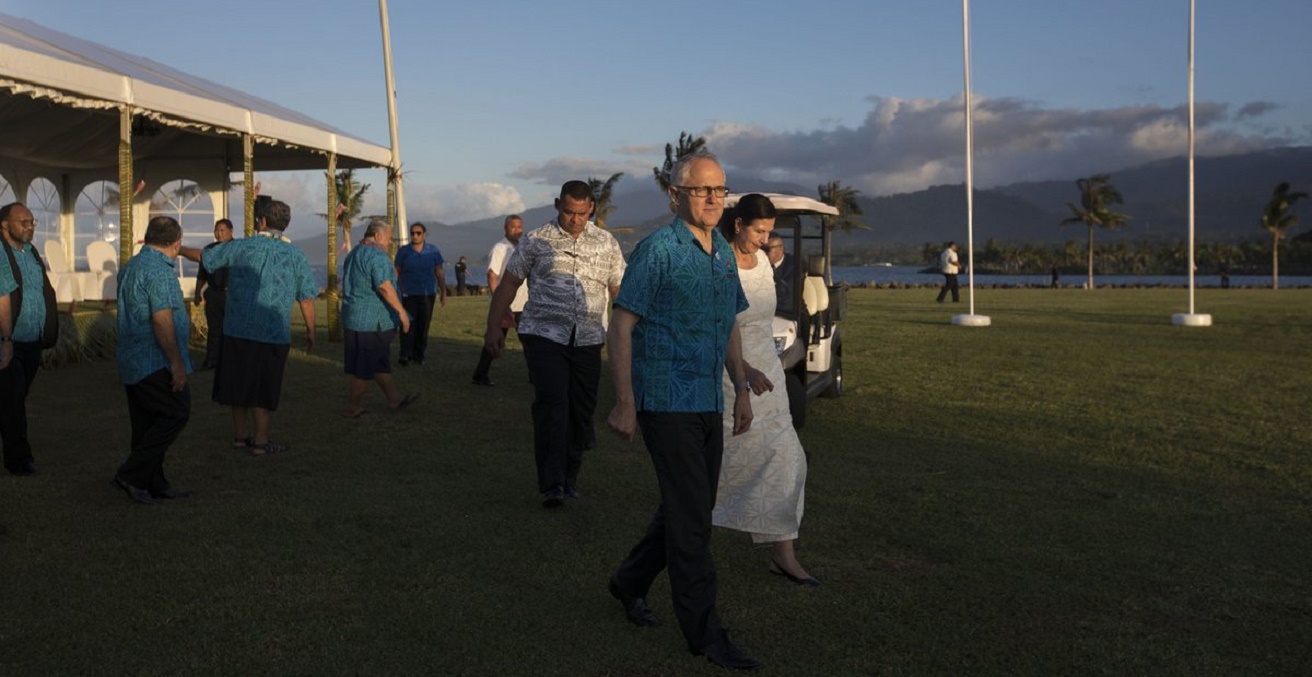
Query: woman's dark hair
[(750, 207)]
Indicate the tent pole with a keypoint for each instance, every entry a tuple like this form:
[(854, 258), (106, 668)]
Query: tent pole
[(248, 181), (125, 192), (331, 293)]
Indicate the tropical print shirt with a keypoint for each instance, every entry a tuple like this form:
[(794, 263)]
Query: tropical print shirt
[(366, 268), (31, 318), (266, 275), (687, 300), (569, 282), (146, 285)]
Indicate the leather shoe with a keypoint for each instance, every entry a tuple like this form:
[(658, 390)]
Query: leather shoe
[(138, 495), (554, 498), (483, 381), (634, 607), (726, 654), (172, 493), (23, 469), (809, 581)]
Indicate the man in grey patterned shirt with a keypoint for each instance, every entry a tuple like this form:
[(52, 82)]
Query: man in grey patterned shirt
[(574, 269)]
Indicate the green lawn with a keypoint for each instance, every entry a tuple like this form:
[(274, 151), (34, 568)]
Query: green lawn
[(1080, 489)]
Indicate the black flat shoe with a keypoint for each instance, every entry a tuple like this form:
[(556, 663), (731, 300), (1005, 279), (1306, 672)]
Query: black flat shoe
[(810, 581), (171, 493), (726, 654)]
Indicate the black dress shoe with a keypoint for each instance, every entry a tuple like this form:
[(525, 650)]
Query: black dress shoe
[(403, 361), (634, 607), (726, 654), (138, 495), (554, 498), (172, 493), (483, 381), (23, 469)]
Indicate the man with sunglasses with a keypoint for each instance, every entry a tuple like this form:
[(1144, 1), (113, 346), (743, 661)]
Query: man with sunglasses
[(419, 266)]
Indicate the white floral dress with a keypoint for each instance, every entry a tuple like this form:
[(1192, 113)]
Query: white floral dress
[(763, 477)]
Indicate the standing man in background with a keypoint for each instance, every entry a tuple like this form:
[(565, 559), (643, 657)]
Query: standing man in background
[(153, 362), (949, 265), (462, 269), (267, 275), (420, 267), (496, 265), (214, 285), (27, 314)]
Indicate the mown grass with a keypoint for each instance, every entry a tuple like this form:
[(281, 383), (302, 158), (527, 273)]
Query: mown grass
[(1080, 489)]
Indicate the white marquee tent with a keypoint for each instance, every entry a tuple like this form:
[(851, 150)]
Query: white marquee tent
[(75, 114)]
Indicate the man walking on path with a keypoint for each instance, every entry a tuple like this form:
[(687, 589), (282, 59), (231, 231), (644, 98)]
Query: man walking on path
[(27, 316), (371, 312), (422, 278)]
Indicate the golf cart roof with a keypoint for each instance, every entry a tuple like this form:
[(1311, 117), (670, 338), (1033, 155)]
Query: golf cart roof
[(796, 204)]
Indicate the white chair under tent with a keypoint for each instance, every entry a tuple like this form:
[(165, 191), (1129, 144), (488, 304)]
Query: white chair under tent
[(100, 282), (68, 287)]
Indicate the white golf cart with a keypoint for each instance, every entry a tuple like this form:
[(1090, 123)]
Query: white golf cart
[(806, 318)]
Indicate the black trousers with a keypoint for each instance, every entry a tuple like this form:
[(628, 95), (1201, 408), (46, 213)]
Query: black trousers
[(950, 284), (485, 358), (15, 383), (158, 416), (414, 343), (564, 399), (686, 451), (216, 302)]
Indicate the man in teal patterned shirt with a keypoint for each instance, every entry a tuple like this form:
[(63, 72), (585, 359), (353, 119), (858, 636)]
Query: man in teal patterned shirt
[(371, 312), (266, 275), (22, 320), (153, 362), (673, 334)]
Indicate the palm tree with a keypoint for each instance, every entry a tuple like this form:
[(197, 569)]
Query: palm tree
[(601, 194), (835, 194), (1097, 194), (1277, 219), (687, 146)]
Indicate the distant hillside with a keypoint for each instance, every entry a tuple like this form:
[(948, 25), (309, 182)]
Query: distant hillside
[(1231, 192)]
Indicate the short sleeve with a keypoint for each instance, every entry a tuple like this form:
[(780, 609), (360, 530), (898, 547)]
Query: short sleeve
[(643, 278)]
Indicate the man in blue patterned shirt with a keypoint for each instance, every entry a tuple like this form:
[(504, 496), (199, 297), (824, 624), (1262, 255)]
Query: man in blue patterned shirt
[(673, 333), (266, 275), (153, 362), (371, 312)]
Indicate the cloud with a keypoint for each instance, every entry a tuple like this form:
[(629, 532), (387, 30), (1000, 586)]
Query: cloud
[(910, 144), (557, 171), (307, 195), (1255, 109)]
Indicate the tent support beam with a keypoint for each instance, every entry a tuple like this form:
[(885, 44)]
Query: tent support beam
[(331, 293), (125, 193), (248, 181)]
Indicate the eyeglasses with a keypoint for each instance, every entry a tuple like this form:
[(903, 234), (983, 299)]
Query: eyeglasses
[(416, 233), (23, 222), (703, 191)]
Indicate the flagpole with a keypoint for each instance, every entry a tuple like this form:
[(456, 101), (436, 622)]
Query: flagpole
[(970, 319), (403, 225), (1191, 319)]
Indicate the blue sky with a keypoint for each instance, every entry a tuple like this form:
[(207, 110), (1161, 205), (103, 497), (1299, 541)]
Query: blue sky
[(502, 100)]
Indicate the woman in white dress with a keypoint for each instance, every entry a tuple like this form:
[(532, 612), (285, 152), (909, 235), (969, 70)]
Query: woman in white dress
[(763, 476)]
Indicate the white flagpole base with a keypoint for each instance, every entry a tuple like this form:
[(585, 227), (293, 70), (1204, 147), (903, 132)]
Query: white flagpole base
[(1191, 320), (971, 320)]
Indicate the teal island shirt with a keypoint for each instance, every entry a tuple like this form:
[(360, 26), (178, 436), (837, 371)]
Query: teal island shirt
[(266, 275), (32, 316), (687, 300), (146, 285), (366, 268)]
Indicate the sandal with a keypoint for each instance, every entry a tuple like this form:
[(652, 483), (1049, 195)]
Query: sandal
[(354, 413), (405, 401), (269, 447), (243, 442)]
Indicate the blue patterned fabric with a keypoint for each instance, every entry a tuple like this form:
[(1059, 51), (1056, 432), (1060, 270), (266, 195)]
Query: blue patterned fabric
[(418, 276), (365, 269), (32, 316), (687, 301), (266, 275), (147, 284)]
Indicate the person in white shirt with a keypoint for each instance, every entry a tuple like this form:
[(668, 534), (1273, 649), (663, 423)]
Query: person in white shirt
[(948, 263), (496, 266)]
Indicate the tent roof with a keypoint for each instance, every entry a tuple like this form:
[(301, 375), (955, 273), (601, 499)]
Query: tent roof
[(60, 96)]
